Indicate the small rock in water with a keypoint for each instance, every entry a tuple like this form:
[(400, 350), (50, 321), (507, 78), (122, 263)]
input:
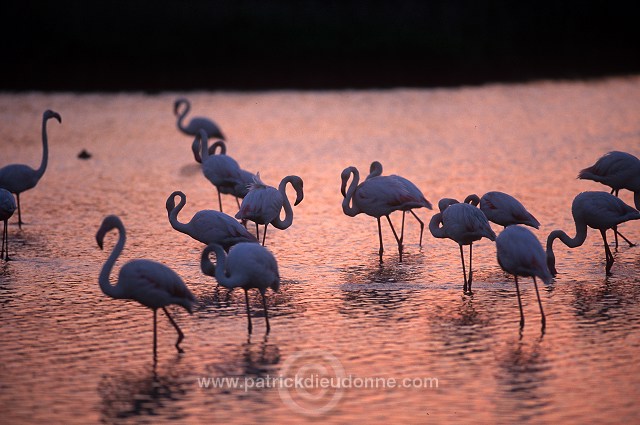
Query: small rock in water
[(84, 154)]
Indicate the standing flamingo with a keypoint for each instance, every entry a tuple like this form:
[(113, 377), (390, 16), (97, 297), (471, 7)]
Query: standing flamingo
[(263, 204), (503, 209), (464, 224), (246, 266), (17, 178), (375, 170), (208, 226), (222, 170), (618, 170), (379, 196), (150, 283), (196, 123), (598, 210), (520, 254), (7, 207)]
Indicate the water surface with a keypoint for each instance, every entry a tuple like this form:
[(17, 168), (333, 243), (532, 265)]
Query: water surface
[(72, 355)]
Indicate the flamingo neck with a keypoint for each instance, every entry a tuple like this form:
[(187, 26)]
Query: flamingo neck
[(207, 267), (288, 210), (472, 199), (228, 281), (347, 203), (114, 291), (183, 114), (175, 210), (435, 226), (45, 150), (636, 199)]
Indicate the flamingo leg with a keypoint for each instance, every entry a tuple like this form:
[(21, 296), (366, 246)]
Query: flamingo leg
[(266, 314), (238, 202), (470, 265), (395, 235), (615, 231), (246, 299), (421, 226), (464, 271), (4, 241), (380, 235), (542, 318), (264, 235), (175, 325), (155, 338), (519, 303), (219, 199), (257, 232), (607, 251), (19, 214)]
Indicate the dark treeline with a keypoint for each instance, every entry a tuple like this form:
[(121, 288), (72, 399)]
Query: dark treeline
[(259, 44)]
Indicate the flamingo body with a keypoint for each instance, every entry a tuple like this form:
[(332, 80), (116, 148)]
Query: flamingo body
[(503, 209), (246, 266), (598, 210), (18, 178), (7, 208), (150, 283), (520, 254), (196, 123), (208, 226), (618, 170)]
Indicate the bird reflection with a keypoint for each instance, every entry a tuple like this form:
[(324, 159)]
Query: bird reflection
[(146, 393), (259, 359)]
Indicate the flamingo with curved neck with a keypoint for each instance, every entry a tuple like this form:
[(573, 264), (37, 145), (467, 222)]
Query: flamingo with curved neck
[(598, 210), (246, 266), (17, 178), (503, 209), (263, 204), (152, 284), (196, 123), (207, 226)]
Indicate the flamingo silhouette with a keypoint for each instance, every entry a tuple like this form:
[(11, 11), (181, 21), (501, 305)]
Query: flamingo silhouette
[(263, 204), (618, 170), (375, 170), (7, 207), (246, 266), (196, 123), (152, 284), (598, 210), (222, 170), (464, 224), (520, 254), (208, 226), (379, 196), (17, 178), (503, 209)]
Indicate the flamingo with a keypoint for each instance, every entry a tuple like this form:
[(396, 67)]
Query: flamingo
[(379, 196), (598, 210), (503, 209), (152, 284), (208, 226), (7, 207), (263, 204), (618, 170), (196, 123), (375, 170), (17, 178), (464, 224), (246, 266), (222, 170), (520, 254)]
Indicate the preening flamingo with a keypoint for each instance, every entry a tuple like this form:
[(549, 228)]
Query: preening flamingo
[(17, 178), (379, 196), (222, 170), (7, 207), (375, 170), (520, 254), (246, 266), (152, 284), (196, 123), (208, 226), (503, 209), (618, 170), (463, 224), (263, 204), (598, 210)]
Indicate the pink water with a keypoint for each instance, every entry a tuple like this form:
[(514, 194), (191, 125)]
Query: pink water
[(72, 355)]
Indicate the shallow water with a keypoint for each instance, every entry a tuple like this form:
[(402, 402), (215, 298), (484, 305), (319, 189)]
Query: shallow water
[(72, 355)]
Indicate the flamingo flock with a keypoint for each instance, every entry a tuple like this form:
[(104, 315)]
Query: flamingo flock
[(243, 261)]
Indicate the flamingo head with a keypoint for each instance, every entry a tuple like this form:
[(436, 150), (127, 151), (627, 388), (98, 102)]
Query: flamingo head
[(51, 114), (177, 103), (444, 203)]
